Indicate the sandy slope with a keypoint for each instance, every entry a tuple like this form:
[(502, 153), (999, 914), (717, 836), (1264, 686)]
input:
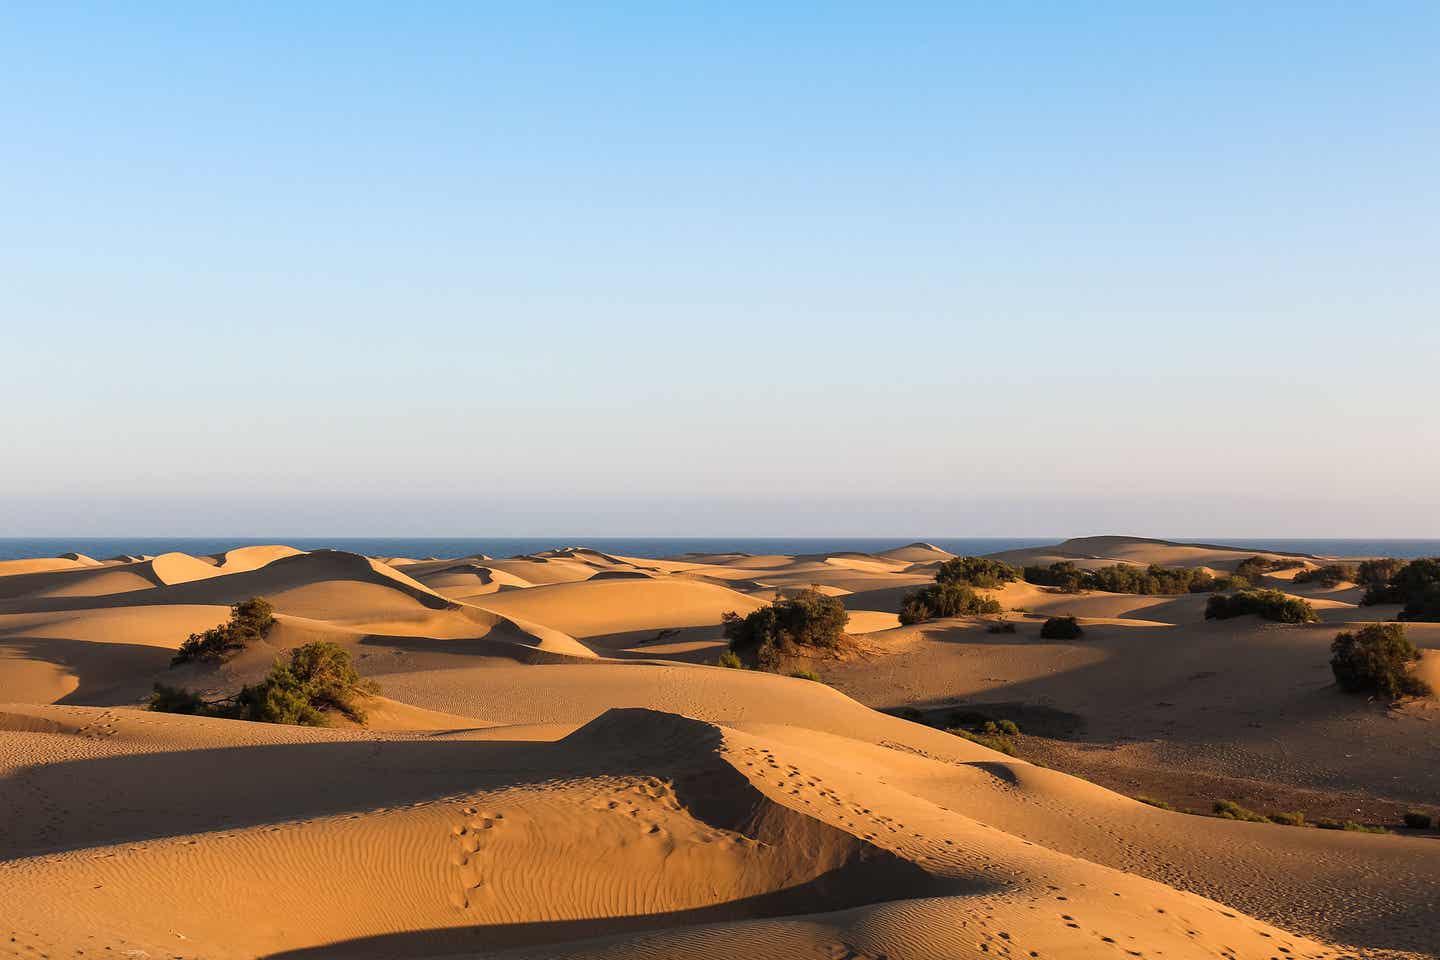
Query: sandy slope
[(516, 794)]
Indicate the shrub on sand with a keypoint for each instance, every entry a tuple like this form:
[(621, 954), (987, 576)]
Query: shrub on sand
[(1230, 810), (1061, 628), (249, 621), (317, 681), (1269, 604), (1374, 660), (946, 600), (806, 622), (976, 572)]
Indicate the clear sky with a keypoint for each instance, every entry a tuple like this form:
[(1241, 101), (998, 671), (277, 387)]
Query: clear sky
[(745, 268)]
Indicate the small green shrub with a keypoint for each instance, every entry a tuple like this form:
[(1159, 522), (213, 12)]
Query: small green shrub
[(1008, 727), (1292, 819), (729, 660), (1374, 660), (946, 600), (1416, 820), (1269, 604), (767, 636), (1230, 810), (1061, 628), (806, 675), (249, 621), (167, 699), (1151, 801)]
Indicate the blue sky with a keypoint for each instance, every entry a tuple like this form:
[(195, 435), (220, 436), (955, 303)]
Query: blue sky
[(785, 269)]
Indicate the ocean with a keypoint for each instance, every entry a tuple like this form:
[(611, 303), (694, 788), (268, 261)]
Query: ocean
[(101, 547)]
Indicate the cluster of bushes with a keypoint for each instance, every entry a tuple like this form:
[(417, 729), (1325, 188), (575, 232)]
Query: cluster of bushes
[(994, 734), (1153, 580), (789, 626), (1231, 810), (318, 680), (1374, 660), (1251, 568), (1330, 575), (1270, 604), (977, 572), (954, 592), (1415, 584), (249, 621), (970, 725), (946, 600), (1378, 572)]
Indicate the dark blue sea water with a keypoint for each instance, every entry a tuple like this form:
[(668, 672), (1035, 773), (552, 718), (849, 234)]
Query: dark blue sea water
[(100, 548)]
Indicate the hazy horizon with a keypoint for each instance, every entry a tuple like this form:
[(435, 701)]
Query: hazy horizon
[(948, 267), (1060, 518)]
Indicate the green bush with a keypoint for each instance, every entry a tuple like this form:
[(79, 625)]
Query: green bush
[(1252, 568), (946, 600), (768, 635), (1270, 604), (1230, 810), (1375, 575), (730, 661), (1330, 575), (1374, 660), (806, 675), (1061, 628), (1292, 819), (249, 621), (1416, 820), (167, 699), (1348, 825), (993, 741), (1062, 574), (318, 680), (1151, 801), (976, 572)]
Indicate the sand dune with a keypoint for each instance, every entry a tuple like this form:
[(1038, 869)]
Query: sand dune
[(550, 772)]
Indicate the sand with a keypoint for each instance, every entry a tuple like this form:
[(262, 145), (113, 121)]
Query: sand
[(555, 770)]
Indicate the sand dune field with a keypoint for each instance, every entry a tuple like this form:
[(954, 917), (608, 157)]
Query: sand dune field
[(555, 766)]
